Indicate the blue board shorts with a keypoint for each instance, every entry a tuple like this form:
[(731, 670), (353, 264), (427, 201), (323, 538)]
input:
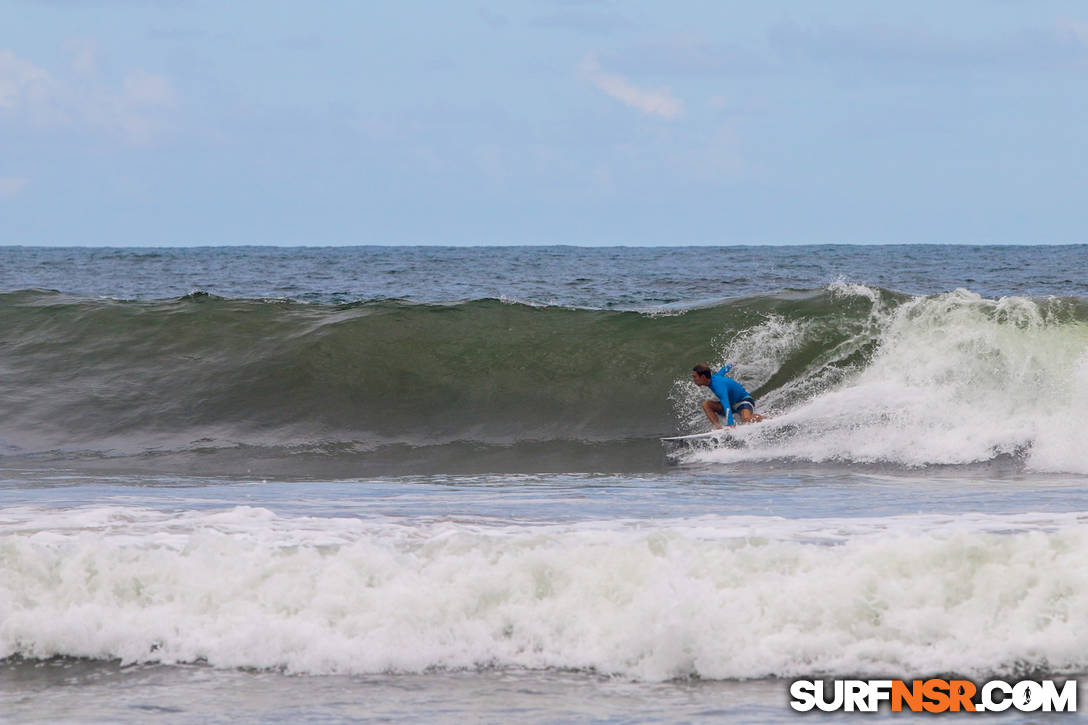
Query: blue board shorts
[(748, 403)]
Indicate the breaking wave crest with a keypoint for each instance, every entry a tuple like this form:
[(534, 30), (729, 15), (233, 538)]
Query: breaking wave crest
[(950, 379)]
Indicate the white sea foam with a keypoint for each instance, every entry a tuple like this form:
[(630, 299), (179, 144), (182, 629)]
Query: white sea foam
[(718, 597), (954, 379)]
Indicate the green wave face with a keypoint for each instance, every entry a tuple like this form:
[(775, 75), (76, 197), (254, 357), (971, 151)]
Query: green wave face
[(203, 372)]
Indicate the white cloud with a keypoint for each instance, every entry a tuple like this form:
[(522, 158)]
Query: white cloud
[(24, 87), (140, 110), (653, 102), (147, 89), (10, 186)]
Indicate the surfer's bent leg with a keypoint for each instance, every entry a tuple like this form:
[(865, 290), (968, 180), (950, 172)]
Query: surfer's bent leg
[(713, 409)]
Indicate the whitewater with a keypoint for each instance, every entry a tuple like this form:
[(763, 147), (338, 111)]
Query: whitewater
[(426, 484), (977, 595)]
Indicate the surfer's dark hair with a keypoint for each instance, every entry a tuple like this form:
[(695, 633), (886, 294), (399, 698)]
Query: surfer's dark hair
[(702, 370)]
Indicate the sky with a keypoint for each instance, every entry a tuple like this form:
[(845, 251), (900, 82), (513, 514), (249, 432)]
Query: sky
[(175, 122)]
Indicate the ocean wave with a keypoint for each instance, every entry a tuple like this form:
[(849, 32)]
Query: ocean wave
[(846, 373), (712, 597)]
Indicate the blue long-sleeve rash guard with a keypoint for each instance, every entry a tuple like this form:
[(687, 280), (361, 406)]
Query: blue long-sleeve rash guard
[(729, 391)]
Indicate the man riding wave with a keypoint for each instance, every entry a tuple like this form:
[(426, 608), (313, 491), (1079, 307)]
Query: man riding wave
[(730, 392)]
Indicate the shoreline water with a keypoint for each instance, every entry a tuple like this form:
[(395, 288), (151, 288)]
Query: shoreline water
[(54, 690)]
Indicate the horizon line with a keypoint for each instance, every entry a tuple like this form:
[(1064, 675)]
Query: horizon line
[(583, 245)]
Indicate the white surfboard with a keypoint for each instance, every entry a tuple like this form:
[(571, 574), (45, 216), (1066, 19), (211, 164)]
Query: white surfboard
[(711, 436)]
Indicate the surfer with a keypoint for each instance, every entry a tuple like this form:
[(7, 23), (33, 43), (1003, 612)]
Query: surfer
[(728, 391)]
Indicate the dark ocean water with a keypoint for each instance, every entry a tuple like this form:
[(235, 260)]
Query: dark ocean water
[(426, 483), (598, 278)]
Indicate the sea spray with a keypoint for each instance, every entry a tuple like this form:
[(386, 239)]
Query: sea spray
[(952, 379)]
